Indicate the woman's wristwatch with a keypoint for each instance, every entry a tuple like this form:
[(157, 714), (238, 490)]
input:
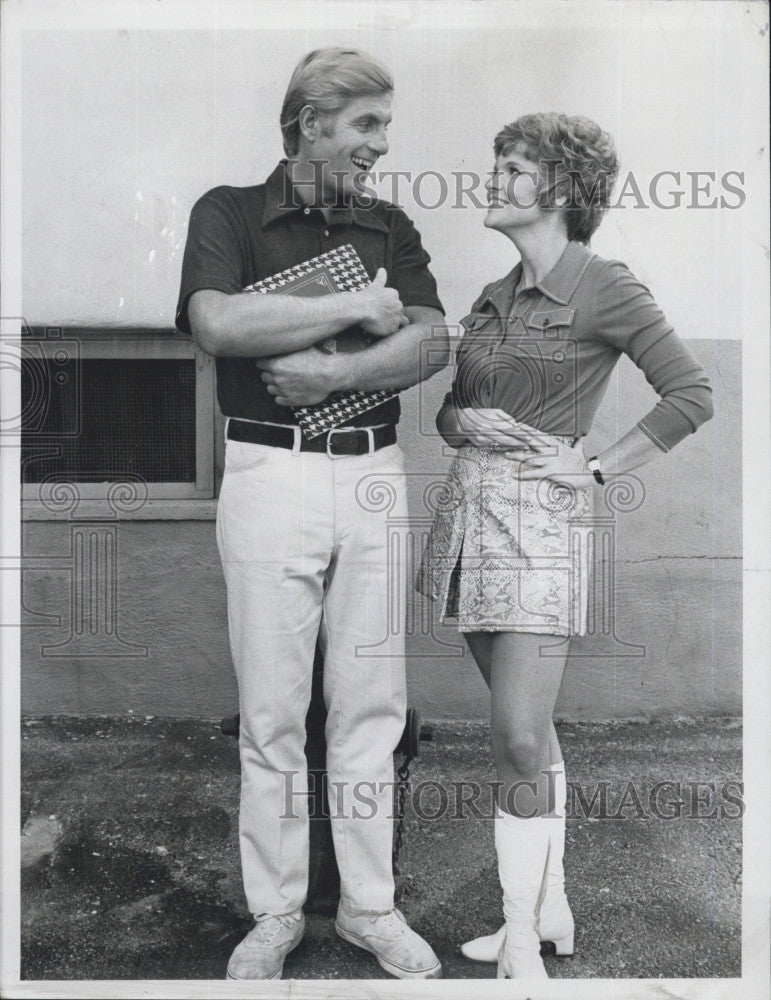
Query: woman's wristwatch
[(594, 467)]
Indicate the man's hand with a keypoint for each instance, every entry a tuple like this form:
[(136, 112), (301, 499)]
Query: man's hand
[(299, 379), (384, 313)]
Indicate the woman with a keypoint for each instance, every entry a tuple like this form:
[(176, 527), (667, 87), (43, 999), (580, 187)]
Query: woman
[(504, 560)]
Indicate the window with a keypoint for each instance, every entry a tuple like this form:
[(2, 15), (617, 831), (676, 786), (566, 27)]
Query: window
[(121, 420)]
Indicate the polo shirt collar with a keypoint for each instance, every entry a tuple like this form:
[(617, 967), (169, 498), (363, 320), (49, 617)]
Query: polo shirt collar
[(559, 284), (282, 200)]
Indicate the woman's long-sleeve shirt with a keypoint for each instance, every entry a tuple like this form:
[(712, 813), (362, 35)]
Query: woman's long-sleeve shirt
[(546, 354)]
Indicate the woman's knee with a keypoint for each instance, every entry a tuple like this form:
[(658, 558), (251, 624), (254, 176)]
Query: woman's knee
[(524, 751)]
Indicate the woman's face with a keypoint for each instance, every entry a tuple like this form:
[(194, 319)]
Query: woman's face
[(512, 191)]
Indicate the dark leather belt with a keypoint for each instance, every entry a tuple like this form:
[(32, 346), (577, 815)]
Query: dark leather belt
[(338, 441)]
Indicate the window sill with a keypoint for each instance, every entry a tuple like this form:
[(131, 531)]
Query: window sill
[(100, 510)]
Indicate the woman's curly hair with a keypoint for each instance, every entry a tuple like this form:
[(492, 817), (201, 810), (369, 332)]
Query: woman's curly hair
[(577, 162)]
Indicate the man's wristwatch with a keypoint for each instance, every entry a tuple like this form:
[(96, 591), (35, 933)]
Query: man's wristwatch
[(594, 466)]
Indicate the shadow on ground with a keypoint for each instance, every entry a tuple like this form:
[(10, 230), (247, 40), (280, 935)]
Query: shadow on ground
[(131, 863)]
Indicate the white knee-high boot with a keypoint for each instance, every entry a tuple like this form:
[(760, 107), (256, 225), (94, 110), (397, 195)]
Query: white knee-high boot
[(555, 921), (522, 846)]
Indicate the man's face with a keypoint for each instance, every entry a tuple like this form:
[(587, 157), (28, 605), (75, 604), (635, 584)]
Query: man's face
[(350, 143)]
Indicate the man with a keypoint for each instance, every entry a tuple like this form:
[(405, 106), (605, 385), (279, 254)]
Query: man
[(304, 553)]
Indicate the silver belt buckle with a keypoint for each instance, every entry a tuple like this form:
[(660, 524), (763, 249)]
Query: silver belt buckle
[(350, 430)]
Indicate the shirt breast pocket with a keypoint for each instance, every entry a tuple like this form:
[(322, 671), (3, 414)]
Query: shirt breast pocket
[(481, 334), (551, 346), (475, 322), (551, 324), (475, 356)]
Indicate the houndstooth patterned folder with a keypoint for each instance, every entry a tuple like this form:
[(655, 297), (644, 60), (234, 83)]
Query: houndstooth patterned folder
[(338, 270)]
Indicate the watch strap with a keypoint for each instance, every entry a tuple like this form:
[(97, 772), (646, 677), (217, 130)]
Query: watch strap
[(594, 468)]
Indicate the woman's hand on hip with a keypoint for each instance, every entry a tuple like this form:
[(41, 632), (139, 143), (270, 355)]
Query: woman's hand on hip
[(542, 456)]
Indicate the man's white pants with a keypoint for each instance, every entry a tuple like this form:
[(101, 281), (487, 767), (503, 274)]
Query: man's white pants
[(301, 534)]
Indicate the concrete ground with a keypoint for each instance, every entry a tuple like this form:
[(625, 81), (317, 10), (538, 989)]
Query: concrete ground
[(131, 866)]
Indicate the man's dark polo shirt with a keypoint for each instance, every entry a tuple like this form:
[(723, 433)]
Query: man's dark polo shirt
[(238, 236)]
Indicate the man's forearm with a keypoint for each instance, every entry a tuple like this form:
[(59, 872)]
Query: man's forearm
[(411, 355), (254, 325)]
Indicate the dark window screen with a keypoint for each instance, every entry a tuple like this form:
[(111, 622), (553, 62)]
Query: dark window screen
[(101, 419)]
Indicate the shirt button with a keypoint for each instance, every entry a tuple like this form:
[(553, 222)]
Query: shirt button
[(326, 232)]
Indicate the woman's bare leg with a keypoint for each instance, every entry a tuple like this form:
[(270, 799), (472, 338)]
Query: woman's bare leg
[(523, 691), (481, 646), (555, 921)]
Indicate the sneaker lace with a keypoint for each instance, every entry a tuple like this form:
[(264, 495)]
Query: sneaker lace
[(267, 927), (390, 924)]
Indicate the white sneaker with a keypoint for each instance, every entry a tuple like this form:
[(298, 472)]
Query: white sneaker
[(398, 949), (262, 952)]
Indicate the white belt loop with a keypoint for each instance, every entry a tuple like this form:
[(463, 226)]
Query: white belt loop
[(227, 424), (298, 438)]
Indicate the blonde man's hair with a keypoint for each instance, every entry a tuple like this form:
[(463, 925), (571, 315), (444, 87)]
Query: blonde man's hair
[(328, 79)]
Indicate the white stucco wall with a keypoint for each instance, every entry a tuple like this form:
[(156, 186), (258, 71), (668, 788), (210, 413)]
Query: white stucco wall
[(123, 129)]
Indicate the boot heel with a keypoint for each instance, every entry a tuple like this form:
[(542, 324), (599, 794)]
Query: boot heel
[(564, 945)]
